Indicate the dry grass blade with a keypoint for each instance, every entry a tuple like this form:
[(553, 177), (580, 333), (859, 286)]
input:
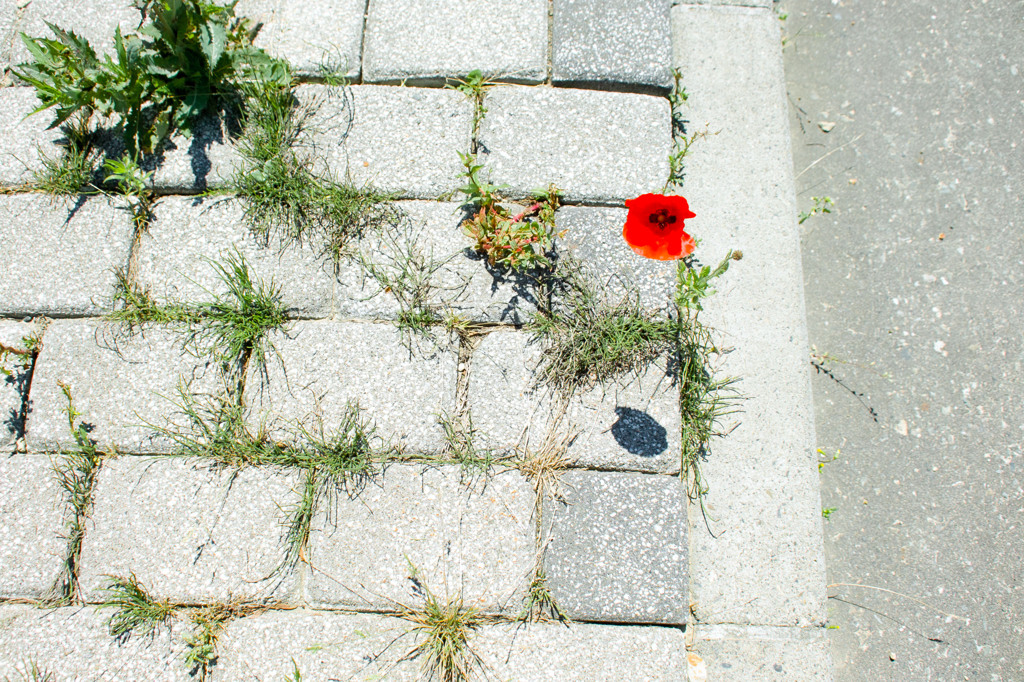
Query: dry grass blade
[(444, 628), (544, 465)]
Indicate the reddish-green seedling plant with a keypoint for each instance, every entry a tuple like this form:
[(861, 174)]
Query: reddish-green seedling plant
[(519, 241)]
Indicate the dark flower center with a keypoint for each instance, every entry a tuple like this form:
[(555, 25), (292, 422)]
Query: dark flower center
[(661, 218)]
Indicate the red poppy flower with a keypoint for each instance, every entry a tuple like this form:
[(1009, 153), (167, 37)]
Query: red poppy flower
[(654, 227)]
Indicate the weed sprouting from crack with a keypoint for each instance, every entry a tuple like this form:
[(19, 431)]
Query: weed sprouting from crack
[(76, 474), (136, 611), (591, 338), (280, 189), (460, 446), (444, 629), (474, 87), (682, 140), (539, 604), (33, 673), (71, 171), (234, 328), (543, 466), (705, 399), (208, 624)]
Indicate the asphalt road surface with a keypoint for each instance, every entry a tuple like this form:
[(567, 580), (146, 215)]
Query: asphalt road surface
[(909, 116)]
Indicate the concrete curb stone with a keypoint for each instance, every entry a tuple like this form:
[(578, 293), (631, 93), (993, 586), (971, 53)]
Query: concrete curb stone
[(175, 257), (190, 532), (323, 365), (32, 550), (602, 43), (427, 43), (404, 141), (467, 538), (765, 564), (61, 254), (123, 386), (600, 147), (615, 547), (74, 643), (632, 425), (763, 653)]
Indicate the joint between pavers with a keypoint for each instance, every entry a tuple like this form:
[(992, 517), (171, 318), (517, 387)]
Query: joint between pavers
[(725, 8)]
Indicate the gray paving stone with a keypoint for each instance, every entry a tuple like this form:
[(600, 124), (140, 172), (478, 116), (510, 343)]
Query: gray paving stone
[(595, 146), (594, 235), (582, 651), (73, 643), (426, 43), (123, 386), (461, 283), (323, 365), (766, 4), (765, 564), (94, 20), (24, 142), (61, 255), (9, 13), (602, 42), (309, 34), (615, 547), (31, 524), (763, 654), (13, 387), (469, 539), (398, 140), (188, 531), (207, 160), (174, 256), (630, 425), (323, 645)]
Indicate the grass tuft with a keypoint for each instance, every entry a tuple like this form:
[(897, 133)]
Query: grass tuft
[(73, 170), (136, 611), (460, 447), (444, 628), (591, 339), (208, 624), (539, 604)]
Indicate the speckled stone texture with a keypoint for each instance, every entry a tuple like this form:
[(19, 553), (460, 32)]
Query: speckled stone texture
[(60, 254), (737, 653), (468, 537), (582, 651), (460, 281), (175, 256), (124, 386), (594, 236), (594, 146), (185, 165), (323, 645), (94, 20), (31, 524), (322, 366), (190, 532), (24, 142), (615, 547), (13, 386), (603, 43), (765, 563), (73, 643), (766, 4), (309, 34), (9, 13), (398, 140), (428, 42), (629, 425)]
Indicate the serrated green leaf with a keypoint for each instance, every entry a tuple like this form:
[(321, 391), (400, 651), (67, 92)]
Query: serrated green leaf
[(212, 40)]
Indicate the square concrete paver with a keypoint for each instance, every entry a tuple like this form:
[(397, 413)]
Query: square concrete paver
[(615, 547), (32, 516), (125, 387), (604, 43), (403, 141), (472, 538), (428, 42), (594, 146), (61, 254), (74, 643), (309, 34), (632, 424), (176, 257), (188, 531), (323, 367)]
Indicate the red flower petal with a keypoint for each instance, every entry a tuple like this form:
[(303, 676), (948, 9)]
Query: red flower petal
[(655, 227)]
